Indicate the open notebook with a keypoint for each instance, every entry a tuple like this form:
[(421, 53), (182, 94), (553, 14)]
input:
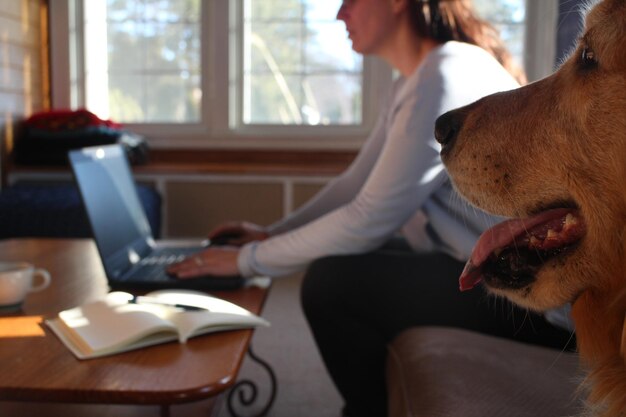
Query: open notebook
[(121, 321)]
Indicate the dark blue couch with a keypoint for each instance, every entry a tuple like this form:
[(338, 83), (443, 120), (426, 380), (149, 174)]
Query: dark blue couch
[(57, 211)]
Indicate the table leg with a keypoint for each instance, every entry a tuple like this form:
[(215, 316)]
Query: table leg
[(247, 400), (165, 410)]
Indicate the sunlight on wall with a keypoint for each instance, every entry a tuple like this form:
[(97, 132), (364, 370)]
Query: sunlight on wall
[(4, 43), (28, 83), (27, 67), (8, 132), (25, 16), (21, 78)]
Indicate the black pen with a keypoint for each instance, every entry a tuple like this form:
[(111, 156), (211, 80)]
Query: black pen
[(141, 299)]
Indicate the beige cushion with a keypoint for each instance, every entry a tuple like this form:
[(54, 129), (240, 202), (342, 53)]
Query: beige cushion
[(437, 372)]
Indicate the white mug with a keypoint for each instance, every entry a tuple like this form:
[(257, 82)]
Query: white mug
[(17, 279)]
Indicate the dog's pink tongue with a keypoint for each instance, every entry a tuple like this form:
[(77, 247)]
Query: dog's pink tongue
[(501, 236)]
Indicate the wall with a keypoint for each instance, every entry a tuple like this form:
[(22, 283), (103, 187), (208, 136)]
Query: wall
[(21, 69), (193, 205)]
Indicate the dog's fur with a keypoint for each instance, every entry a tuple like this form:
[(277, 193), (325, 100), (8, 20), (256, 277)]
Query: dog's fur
[(562, 142)]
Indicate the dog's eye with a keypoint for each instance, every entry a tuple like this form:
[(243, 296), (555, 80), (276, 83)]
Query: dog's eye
[(588, 57)]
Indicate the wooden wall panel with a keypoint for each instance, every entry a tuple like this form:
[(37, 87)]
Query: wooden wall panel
[(303, 192), (194, 208), (21, 71)]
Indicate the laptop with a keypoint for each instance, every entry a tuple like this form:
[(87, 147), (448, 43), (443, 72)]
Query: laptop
[(131, 257)]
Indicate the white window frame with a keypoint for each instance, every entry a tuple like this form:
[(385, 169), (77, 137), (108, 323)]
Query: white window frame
[(541, 26), (218, 129)]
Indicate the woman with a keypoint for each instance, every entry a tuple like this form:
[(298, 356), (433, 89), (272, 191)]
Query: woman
[(363, 286)]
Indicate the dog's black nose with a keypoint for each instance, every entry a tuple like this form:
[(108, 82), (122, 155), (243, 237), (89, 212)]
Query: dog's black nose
[(447, 128)]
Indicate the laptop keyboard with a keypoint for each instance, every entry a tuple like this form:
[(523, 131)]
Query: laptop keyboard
[(153, 267), (151, 273), (162, 260)]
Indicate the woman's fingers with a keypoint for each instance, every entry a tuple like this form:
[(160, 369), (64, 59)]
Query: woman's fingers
[(212, 261)]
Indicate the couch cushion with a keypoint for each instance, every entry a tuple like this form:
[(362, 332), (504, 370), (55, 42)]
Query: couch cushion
[(437, 372)]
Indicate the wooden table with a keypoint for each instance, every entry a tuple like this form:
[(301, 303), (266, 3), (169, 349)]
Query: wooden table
[(36, 366)]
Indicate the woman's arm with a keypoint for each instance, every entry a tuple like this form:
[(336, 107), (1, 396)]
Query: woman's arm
[(340, 190)]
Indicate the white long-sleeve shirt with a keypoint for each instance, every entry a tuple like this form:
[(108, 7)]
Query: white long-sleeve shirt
[(397, 182)]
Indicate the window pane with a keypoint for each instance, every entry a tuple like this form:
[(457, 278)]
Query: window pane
[(508, 17), (273, 99), (298, 65), (330, 107), (172, 97), (310, 99), (273, 46), (141, 97), (339, 58), (274, 10), (124, 41), (126, 98), (152, 70)]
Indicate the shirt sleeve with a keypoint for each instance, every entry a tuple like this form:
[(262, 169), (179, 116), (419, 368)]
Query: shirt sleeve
[(339, 191), (402, 178)]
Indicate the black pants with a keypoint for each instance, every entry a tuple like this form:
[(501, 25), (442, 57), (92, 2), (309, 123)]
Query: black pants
[(357, 304)]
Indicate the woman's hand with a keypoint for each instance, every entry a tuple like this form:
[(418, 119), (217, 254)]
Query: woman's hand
[(212, 261), (237, 233)]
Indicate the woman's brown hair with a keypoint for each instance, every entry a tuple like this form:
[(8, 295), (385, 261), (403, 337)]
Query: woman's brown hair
[(456, 20)]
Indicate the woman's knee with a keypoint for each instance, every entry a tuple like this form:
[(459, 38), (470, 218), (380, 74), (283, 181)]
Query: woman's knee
[(317, 284), (327, 282)]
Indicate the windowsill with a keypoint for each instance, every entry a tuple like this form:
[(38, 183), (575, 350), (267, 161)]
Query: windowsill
[(233, 162), (249, 162)]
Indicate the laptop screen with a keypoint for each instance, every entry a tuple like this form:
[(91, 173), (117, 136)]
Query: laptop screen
[(118, 222)]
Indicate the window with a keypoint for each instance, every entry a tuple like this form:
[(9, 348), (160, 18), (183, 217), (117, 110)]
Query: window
[(298, 67), (508, 17), (232, 73), (142, 60)]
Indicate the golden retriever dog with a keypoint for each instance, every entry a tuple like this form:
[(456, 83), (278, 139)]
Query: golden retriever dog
[(552, 156)]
